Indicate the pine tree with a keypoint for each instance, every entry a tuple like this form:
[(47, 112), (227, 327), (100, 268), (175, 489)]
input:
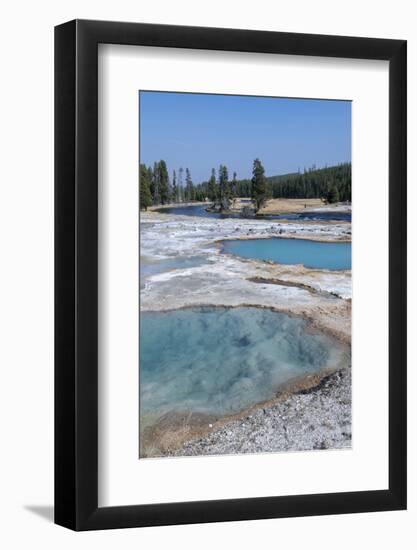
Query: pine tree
[(180, 186), (164, 190), (333, 194), (260, 190), (189, 187), (150, 177), (154, 185), (145, 197), (233, 186), (212, 186), (224, 190), (174, 187)]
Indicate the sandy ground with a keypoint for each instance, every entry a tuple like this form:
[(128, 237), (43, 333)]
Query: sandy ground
[(321, 296), (287, 206)]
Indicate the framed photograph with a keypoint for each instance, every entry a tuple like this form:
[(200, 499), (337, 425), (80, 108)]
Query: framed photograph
[(230, 252)]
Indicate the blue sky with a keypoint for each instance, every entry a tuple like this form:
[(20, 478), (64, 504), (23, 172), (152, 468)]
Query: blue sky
[(202, 131)]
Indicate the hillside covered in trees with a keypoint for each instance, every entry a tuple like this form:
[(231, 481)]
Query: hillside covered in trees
[(332, 184)]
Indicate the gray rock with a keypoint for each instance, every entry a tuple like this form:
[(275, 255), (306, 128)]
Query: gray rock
[(281, 427)]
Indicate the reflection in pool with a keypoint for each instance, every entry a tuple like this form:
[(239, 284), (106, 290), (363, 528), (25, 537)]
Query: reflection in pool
[(312, 254), (220, 360)]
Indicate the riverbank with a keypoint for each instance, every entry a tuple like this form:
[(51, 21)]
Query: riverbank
[(273, 207), (156, 208)]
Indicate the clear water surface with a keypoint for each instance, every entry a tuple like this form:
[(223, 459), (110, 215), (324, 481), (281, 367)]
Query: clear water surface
[(312, 254), (221, 360)]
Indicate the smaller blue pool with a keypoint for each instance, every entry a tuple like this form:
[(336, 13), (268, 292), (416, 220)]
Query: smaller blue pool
[(312, 254)]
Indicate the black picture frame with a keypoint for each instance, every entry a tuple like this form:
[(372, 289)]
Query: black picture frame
[(76, 272)]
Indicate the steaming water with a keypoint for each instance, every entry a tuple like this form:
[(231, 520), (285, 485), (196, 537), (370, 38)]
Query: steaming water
[(313, 254), (221, 360)]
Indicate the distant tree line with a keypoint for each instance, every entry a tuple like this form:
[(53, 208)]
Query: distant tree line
[(331, 184)]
